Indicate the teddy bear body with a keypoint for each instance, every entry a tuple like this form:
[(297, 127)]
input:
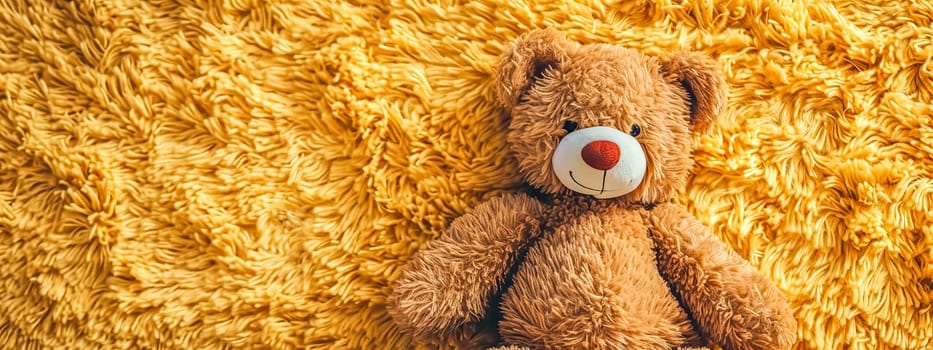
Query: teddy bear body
[(611, 293), (600, 257)]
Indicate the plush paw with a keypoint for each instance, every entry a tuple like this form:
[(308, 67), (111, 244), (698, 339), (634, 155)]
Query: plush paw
[(756, 317), (421, 309)]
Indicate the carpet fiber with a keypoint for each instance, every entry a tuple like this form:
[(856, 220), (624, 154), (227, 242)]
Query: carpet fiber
[(252, 174)]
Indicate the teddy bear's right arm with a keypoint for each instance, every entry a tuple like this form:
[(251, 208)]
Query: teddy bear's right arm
[(445, 290), (733, 304)]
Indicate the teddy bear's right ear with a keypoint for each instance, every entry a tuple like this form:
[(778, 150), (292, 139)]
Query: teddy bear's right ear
[(702, 81), (525, 61)]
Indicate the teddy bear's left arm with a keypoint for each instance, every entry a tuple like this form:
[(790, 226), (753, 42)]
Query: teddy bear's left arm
[(443, 293), (732, 303)]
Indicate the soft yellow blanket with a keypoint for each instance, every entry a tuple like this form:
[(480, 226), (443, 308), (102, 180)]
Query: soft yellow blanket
[(252, 174)]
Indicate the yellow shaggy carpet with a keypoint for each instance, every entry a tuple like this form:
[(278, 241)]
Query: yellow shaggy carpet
[(199, 174)]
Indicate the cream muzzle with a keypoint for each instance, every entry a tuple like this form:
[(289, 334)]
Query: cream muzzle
[(600, 161)]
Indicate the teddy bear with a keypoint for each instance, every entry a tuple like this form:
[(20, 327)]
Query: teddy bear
[(596, 254)]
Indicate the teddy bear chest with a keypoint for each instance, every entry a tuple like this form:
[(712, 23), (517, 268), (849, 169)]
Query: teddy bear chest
[(592, 265), (577, 237), (601, 228), (588, 220)]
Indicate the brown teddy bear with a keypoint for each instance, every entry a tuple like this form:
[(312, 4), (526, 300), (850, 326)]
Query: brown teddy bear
[(597, 256)]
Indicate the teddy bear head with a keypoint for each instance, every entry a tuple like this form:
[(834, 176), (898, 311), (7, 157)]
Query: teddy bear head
[(603, 120)]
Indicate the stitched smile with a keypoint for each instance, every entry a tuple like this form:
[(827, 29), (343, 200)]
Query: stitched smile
[(601, 190)]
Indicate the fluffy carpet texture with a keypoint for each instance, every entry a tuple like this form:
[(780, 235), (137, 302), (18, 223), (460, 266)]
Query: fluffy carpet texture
[(252, 174)]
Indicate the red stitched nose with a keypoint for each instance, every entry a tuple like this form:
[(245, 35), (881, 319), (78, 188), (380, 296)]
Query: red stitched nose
[(602, 155)]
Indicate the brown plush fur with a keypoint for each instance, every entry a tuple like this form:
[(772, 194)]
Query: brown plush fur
[(514, 347), (734, 304), (445, 290), (568, 271), (591, 284)]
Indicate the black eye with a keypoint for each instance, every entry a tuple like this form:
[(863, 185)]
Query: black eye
[(570, 125), (635, 130)]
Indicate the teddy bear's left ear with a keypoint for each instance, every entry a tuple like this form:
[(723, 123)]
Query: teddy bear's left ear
[(703, 83), (526, 60)]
